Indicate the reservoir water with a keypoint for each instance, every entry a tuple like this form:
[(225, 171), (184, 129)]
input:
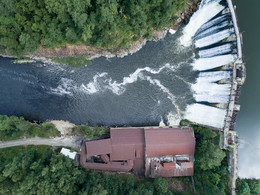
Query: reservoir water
[(248, 123)]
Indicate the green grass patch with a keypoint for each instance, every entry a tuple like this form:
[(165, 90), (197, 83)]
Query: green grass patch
[(74, 62)]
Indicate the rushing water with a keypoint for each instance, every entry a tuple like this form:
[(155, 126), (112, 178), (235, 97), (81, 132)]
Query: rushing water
[(248, 123), (141, 89), (161, 82)]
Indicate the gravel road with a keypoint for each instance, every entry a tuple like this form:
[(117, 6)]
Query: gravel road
[(69, 141)]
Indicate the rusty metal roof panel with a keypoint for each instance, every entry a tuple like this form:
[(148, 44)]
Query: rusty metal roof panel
[(122, 152), (127, 136), (170, 141), (98, 147)]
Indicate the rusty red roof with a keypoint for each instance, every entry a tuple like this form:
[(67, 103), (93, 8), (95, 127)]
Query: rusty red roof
[(169, 141), (123, 152), (99, 147), (127, 136), (151, 151)]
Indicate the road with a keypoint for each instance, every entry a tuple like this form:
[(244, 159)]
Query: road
[(68, 141)]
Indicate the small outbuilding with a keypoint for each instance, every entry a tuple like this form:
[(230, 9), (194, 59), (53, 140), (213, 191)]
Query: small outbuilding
[(69, 153), (153, 152)]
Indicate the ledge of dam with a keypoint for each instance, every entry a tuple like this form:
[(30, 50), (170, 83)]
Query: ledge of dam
[(230, 136)]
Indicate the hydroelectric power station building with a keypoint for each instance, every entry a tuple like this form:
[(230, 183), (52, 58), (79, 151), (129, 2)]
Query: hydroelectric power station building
[(153, 152)]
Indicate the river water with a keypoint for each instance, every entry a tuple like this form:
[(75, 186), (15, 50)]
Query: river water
[(143, 89), (248, 123)]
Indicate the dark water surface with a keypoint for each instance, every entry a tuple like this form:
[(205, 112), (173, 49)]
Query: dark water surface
[(248, 124), (141, 89)]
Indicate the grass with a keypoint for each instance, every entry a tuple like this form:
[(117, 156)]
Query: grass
[(74, 62)]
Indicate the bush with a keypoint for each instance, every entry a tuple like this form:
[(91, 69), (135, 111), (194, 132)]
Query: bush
[(99, 131), (85, 130), (160, 185), (48, 130), (14, 127)]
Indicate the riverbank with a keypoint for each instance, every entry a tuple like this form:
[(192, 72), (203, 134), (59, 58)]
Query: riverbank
[(61, 55)]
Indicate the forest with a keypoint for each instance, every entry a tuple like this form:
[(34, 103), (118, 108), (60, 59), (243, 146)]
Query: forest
[(25, 25)]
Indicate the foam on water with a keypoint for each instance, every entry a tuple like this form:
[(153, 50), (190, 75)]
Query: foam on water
[(206, 90), (199, 18), (102, 82), (213, 62), (173, 119), (211, 92), (205, 115), (214, 38), (64, 87)]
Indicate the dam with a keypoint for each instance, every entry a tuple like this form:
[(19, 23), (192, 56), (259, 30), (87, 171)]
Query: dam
[(217, 40)]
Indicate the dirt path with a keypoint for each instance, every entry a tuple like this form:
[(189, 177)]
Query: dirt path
[(69, 141)]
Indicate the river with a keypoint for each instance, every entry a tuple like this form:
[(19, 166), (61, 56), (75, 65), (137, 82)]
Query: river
[(146, 88), (248, 123)]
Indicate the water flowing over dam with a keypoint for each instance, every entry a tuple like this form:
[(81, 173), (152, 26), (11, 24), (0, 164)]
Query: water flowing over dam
[(183, 76), (212, 33)]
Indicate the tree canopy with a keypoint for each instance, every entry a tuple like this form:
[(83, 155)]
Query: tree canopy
[(210, 167), (111, 24), (49, 172), (14, 127)]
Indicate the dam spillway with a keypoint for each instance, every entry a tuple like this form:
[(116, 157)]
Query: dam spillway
[(219, 56)]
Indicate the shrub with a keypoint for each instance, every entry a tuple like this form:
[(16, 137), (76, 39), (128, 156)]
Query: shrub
[(99, 131), (85, 130)]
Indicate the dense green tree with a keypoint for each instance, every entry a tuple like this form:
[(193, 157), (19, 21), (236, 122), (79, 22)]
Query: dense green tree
[(243, 188), (210, 154), (248, 187), (161, 185), (112, 24), (14, 127)]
